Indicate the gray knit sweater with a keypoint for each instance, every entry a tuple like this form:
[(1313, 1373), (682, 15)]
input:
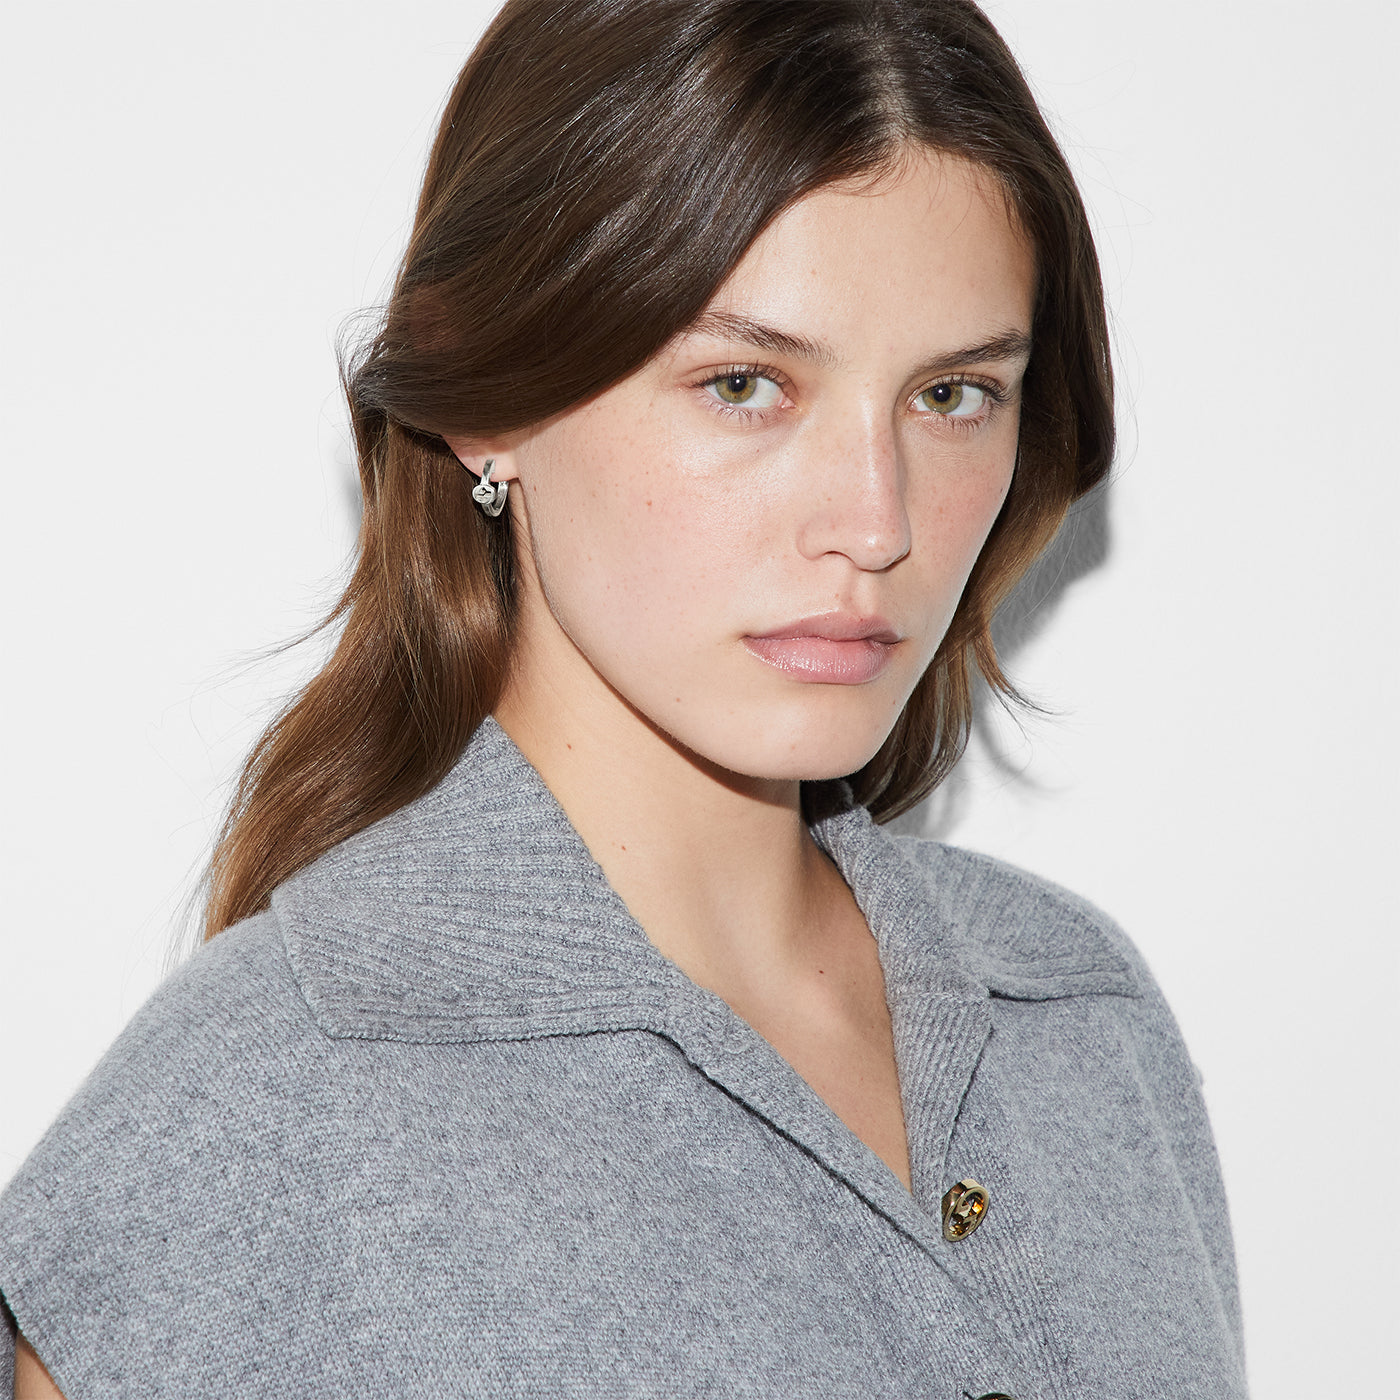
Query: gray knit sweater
[(444, 1123)]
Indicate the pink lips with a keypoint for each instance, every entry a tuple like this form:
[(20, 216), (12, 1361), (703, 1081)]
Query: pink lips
[(831, 649)]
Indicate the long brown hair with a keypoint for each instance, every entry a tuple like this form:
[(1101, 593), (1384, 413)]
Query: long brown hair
[(600, 168)]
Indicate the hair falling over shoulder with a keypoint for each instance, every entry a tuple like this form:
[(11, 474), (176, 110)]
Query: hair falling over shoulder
[(600, 168)]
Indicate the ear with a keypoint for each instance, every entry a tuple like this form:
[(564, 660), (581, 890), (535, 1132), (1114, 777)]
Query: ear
[(474, 453)]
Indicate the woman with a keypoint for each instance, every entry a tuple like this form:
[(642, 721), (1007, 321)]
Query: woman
[(568, 1025)]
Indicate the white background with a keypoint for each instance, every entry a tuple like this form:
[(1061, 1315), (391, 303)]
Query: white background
[(197, 196)]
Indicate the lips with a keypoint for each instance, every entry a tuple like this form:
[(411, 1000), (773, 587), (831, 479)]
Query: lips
[(830, 649), (835, 627)]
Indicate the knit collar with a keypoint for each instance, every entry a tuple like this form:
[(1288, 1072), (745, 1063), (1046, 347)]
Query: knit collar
[(477, 913)]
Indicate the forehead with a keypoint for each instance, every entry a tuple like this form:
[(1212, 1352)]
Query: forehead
[(927, 248)]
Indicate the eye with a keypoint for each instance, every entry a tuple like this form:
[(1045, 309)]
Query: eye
[(953, 400), (745, 389)]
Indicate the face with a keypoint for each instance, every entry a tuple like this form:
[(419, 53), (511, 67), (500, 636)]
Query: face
[(755, 543)]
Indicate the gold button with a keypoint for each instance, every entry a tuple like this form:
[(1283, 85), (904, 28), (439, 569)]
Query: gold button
[(963, 1208)]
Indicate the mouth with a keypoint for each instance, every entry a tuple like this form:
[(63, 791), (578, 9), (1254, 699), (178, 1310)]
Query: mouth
[(830, 649)]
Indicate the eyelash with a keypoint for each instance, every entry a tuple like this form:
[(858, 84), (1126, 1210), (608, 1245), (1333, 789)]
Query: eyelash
[(996, 395), (732, 410)]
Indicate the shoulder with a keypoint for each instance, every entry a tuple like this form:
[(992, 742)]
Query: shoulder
[(1031, 940), (222, 1037), (233, 1005), (1028, 936), (165, 1142), (231, 1017)]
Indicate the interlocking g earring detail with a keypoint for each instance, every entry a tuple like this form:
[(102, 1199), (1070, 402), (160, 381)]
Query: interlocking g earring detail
[(490, 495)]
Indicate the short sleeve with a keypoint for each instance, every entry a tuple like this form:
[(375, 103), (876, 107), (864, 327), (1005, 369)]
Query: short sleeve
[(115, 1233)]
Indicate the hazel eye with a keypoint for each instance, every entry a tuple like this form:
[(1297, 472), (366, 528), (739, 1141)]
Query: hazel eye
[(743, 389), (953, 400)]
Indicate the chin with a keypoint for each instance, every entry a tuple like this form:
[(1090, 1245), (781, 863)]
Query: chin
[(802, 751)]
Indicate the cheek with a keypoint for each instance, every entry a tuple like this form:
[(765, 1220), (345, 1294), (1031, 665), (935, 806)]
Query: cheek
[(975, 511), (952, 517), (626, 545)]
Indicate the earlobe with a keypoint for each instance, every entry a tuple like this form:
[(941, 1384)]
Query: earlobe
[(473, 454), (493, 468)]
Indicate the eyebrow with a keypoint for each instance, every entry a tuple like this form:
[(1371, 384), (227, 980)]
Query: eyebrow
[(1006, 345), (729, 326)]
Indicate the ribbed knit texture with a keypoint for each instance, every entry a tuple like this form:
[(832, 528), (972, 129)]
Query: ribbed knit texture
[(445, 1123)]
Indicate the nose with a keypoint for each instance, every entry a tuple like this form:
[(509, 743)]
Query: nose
[(854, 502)]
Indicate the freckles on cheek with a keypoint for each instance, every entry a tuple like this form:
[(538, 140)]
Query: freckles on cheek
[(646, 521), (953, 522), (630, 549), (670, 567)]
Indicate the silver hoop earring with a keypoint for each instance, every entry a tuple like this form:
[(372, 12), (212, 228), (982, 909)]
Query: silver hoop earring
[(490, 495)]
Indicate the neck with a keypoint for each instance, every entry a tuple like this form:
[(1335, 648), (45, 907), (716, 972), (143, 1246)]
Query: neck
[(719, 870)]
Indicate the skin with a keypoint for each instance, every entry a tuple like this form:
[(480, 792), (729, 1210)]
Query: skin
[(32, 1382), (656, 531)]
